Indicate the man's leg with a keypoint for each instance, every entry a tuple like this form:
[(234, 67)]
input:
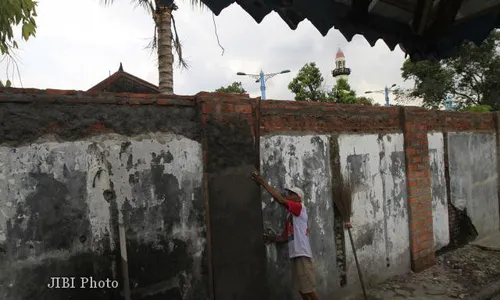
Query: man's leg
[(306, 278)]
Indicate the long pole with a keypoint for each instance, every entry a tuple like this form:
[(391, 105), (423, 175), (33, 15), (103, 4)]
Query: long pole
[(357, 262), (262, 85), (124, 259), (386, 90), (262, 78)]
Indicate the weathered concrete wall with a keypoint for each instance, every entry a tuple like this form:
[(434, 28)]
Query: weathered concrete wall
[(439, 194), (474, 178), (59, 211), (375, 165), (62, 197), (302, 161)]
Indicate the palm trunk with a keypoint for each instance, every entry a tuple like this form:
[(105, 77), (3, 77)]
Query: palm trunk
[(165, 56)]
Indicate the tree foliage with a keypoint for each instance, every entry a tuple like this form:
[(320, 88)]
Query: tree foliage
[(366, 101), (234, 88), (342, 93), (470, 77), (165, 38), (15, 13), (478, 108), (308, 86)]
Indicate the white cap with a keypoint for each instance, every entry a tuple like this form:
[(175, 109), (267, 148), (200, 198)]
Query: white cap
[(297, 191)]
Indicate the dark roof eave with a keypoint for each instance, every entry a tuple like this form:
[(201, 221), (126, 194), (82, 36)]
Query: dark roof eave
[(325, 15)]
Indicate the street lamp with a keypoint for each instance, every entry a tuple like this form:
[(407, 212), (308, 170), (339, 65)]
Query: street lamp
[(262, 78), (385, 91)]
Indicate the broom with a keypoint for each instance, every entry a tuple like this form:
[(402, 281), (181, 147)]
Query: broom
[(344, 205)]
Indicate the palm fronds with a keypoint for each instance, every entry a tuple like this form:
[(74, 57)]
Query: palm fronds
[(177, 45)]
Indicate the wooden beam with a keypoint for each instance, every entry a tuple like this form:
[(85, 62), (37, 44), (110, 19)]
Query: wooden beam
[(359, 8), (421, 15), (493, 9), (403, 5), (444, 19)]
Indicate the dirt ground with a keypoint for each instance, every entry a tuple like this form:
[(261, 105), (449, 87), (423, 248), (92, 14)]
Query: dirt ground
[(457, 275)]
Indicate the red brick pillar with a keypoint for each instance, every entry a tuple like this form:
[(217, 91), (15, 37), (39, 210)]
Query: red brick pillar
[(419, 188)]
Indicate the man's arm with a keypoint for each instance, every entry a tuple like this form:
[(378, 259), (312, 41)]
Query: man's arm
[(274, 193), (283, 238)]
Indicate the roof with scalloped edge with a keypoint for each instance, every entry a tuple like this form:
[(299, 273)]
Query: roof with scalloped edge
[(424, 29)]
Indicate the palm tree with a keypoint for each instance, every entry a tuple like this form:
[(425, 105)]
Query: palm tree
[(164, 41)]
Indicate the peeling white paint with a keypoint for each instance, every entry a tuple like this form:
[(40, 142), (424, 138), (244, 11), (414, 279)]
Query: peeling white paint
[(93, 156), (380, 221), (439, 196)]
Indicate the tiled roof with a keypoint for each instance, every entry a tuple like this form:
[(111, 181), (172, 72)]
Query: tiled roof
[(389, 20), (123, 82)]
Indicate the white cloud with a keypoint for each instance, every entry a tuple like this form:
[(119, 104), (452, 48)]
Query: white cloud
[(79, 42)]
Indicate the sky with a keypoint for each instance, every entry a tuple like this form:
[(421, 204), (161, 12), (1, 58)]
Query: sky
[(80, 42)]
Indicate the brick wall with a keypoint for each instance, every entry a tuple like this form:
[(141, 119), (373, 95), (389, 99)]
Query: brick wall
[(419, 188), (228, 135)]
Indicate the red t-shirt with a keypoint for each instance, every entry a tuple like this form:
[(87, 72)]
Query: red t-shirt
[(294, 208)]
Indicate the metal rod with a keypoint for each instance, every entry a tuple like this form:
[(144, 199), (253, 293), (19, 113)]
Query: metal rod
[(262, 87), (357, 263), (257, 134), (123, 252)]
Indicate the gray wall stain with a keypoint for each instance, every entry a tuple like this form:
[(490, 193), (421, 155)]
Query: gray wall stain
[(473, 177), (365, 236), (53, 217), (399, 197), (438, 185), (359, 174), (376, 166), (68, 198), (440, 215), (386, 201)]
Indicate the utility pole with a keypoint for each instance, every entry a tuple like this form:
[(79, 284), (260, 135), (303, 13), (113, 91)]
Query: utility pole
[(262, 78), (385, 91)]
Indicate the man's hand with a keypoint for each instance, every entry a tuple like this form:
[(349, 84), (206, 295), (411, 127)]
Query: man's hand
[(256, 176), (268, 239), (276, 195)]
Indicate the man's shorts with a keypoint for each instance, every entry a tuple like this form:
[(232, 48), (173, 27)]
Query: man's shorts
[(303, 274)]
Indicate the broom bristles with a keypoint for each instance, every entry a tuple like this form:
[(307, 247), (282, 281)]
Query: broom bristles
[(344, 198)]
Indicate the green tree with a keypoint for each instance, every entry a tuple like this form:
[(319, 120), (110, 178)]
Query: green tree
[(470, 77), (366, 101), (234, 88), (165, 41), (307, 85), (14, 13), (342, 93), (478, 108)]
